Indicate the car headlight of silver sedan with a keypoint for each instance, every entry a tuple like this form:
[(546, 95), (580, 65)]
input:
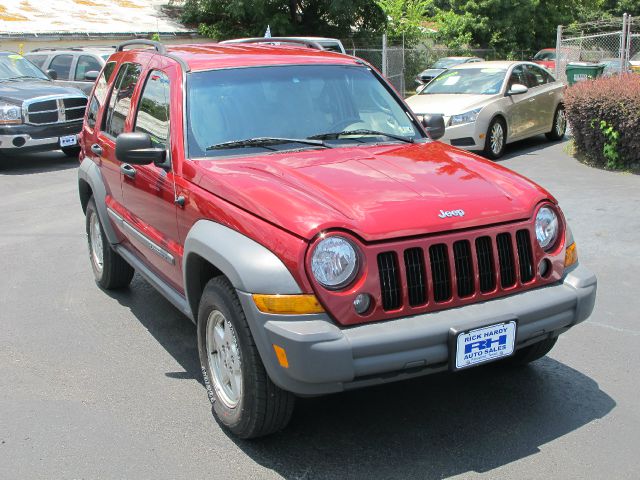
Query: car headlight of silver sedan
[(10, 113), (467, 117), (334, 262), (546, 228)]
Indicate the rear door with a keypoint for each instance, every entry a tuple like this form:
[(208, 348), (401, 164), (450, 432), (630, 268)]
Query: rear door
[(545, 90), (62, 64), (149, 191)]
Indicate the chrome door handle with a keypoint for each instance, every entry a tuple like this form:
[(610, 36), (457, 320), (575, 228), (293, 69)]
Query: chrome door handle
[(128, 170), (96, 149)]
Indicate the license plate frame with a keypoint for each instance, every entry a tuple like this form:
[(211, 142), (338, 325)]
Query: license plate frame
[(482, 354), (68, 141)]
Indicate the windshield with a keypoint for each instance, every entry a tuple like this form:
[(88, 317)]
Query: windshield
[(478, 81), (14, 66), (289, 102), (448, 62), (545, 55)]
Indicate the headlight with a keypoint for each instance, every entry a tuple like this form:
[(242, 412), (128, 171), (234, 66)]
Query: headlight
[(546, 227), (467, 117), (334, 262), (10, 113)]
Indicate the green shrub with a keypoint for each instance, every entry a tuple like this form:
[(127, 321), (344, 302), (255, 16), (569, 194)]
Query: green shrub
[(604, 115)]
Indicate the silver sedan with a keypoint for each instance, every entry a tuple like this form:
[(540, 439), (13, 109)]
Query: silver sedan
[(489, 104)]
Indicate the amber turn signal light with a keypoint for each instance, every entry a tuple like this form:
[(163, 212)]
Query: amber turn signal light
[(571, 255), (287, 304)]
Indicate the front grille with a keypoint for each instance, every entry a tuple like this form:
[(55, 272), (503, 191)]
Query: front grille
[(59, 110), (440, 272)]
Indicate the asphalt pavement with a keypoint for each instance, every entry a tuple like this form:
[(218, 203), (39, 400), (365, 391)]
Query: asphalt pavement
[(105, 385)]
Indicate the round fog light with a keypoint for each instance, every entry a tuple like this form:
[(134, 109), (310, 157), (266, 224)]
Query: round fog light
[(362, 303), (544, 268)]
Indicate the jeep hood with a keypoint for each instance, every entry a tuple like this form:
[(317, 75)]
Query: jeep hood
[(376, 192)]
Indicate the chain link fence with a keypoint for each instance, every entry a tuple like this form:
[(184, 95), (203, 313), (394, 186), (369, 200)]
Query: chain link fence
[(401, 65), (609, 42)]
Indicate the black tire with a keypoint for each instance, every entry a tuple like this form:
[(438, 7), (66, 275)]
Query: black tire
[(559, 125), (534, 352), (71, 151), (261, 407), (494, 149), (114, 272)]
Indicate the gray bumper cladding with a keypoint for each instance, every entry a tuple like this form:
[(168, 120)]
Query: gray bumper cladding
[(324, 358)]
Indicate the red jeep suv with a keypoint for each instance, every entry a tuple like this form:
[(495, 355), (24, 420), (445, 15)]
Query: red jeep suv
[(288, 202)]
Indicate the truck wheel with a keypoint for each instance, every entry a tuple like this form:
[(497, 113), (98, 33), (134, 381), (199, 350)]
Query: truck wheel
[(559, 125), (71, 151), (496, 139), (533, 352), (110, 270), (244, 398)]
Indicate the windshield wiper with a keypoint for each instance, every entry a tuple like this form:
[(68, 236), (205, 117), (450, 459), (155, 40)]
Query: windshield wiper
[(362, 131), (265, 142)]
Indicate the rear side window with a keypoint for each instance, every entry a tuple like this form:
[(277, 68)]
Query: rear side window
[(38, 60), (153, 112), (517, 77), (535, 76), (99, 94), (120, 101), (62, 65), (86, 63)]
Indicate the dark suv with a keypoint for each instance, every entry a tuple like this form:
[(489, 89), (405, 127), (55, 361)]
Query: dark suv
[(36, 114)]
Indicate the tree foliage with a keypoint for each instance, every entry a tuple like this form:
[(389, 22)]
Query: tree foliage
[(224, 19)]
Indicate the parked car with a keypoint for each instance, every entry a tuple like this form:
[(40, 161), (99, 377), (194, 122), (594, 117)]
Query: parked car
[(35, 114), (74, 67), (330, 44), (317, 237), (490, 104), (440, 66), (635, 63), (612, 66), (547, 58)]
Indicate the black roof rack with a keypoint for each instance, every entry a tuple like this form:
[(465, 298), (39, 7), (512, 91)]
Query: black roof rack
[(295, 41), (159, 47)]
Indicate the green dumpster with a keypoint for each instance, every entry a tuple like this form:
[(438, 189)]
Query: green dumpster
[(579, 71)]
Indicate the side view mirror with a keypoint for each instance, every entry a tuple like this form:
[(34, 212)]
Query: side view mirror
[(434, 125), (91, 75), (52, 74), (136, 148), (420, 88), (517, 89)]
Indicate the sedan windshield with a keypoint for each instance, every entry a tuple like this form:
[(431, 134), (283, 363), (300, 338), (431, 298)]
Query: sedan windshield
[(248, 110), (448, 62), (545, 55), (475, 81), (14, 66)]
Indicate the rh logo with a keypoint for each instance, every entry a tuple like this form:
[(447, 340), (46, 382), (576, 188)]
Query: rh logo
[(481, 345)]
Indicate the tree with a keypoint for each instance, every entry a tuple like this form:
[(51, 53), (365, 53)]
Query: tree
[(224, 19), (405, 17)]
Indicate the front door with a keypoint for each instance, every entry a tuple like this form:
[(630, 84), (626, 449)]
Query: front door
[(149, 190)]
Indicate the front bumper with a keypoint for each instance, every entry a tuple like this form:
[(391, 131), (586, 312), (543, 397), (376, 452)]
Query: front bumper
[(324, 358), (24, 137), (467, 136)]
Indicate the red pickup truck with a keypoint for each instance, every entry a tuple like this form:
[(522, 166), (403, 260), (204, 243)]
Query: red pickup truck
[(288, 202)]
